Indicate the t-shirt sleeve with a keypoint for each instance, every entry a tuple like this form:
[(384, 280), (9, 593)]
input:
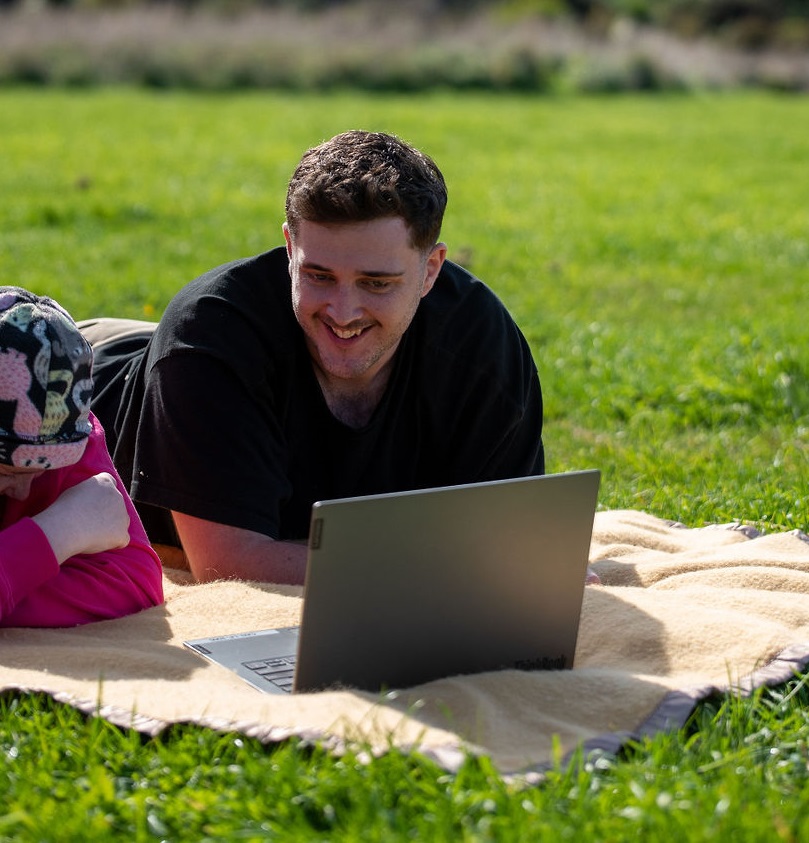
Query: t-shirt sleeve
[(486, 383), (501, 426), (209, 444)]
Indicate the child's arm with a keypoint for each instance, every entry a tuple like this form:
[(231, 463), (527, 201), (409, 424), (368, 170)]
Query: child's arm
[(88, 518), (84, 557)]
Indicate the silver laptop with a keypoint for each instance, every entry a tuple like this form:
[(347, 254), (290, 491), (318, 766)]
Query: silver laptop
[(408, 587)]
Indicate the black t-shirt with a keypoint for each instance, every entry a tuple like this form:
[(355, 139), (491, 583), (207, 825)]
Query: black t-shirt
[(221, 416)]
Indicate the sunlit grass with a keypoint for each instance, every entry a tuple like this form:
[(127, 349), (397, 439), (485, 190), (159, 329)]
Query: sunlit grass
[(737, 771)]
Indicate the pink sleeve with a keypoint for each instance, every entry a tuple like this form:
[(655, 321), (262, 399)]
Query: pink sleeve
[(36, 591), (26, 563)]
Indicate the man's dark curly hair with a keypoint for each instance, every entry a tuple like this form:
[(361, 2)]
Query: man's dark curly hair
[(361, 176)]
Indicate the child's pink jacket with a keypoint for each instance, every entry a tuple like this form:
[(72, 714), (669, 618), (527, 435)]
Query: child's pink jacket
[(36, 591)]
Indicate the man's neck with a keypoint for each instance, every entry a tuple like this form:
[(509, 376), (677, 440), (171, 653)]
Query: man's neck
[(353, 404)]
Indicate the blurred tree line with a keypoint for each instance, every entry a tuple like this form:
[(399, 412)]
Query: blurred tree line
[(748, 23), (711, 13)]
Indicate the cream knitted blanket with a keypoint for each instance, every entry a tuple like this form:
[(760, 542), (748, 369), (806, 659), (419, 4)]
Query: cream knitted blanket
[(680, 613)]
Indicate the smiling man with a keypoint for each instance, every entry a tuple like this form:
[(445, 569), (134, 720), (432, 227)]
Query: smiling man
[(355, 290), (356, 360)]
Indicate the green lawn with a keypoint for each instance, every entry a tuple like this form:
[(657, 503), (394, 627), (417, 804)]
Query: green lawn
[(656, 253)]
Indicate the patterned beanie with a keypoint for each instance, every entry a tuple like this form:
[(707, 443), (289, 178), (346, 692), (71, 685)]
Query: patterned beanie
[(45, 383)]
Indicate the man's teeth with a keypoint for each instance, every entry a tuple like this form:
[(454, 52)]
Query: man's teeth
[(346, 334)]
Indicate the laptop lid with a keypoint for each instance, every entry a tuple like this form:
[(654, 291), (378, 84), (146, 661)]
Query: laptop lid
[(408, 587)]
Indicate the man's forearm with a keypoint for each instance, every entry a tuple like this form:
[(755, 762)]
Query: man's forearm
[(217, 551)]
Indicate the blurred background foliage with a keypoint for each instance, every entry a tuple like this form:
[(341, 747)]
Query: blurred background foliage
[(412, 45), (748, 23)]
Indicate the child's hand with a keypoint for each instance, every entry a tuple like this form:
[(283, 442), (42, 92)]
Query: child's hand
[(87, 518)]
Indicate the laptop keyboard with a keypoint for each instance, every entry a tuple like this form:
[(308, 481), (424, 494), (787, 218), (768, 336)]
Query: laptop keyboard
[(278, 672)]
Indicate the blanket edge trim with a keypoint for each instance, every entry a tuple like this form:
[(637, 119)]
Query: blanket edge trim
[(672, 712)]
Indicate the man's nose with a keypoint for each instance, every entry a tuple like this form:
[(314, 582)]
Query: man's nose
[(344, 305)]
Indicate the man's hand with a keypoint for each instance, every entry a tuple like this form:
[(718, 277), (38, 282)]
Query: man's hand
[(87, 518)]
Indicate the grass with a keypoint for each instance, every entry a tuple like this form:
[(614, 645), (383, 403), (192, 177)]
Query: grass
[(654, 250), (67, 778)]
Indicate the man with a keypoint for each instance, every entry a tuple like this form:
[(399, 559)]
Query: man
[(355, 361)]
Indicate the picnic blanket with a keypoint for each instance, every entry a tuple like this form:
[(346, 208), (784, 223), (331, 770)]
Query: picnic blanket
[(681, 613)]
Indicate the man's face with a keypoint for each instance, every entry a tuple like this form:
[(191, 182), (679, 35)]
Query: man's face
[(355, 290)]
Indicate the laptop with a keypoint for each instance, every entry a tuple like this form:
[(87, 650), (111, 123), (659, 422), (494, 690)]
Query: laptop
[(408, 587)]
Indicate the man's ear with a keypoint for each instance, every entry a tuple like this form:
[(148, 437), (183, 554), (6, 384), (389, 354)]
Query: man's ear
[(287, 238), (435, 260)]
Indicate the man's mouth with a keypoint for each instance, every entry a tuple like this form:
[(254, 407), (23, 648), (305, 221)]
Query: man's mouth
[(346, 333)]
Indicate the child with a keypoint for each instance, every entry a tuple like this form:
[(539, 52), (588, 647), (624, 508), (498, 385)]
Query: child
[(72, 547)]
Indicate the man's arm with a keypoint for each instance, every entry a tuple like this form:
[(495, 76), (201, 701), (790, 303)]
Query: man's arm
[(218, 551)]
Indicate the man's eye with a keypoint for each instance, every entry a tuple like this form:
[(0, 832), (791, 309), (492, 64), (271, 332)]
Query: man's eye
[(376, 284)]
